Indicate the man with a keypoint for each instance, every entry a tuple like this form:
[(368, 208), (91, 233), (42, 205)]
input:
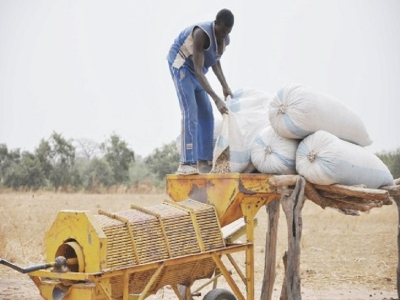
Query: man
[(197, 48)]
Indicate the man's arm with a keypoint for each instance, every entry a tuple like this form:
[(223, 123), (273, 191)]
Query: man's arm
[(217, 69), (200, 38)]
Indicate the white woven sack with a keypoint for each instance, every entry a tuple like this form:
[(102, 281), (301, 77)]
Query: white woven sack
[(248, 114), (297, 111), (323, 158), (272, 153)]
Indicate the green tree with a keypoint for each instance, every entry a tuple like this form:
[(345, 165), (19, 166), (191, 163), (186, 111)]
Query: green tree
[(392, 160), (86, 149), (119, 156), (9, 161), (20, 171), (62, 156), (3, 152), (164, 160), (7, 157), (139, 172), (44, 154), (97, 174), (31, 171)]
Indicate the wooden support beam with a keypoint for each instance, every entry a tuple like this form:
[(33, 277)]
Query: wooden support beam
[(282, 180), (354, 191), (313, 195), (292, 206), (355, 200), (397, 201), (393, 190), (283, 290), (270, 250)]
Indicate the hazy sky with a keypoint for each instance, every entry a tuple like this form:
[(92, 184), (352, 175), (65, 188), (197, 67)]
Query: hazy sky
[(86, 69)]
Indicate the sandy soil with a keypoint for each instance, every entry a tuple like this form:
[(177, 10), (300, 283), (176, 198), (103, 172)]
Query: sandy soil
[(343, 257)]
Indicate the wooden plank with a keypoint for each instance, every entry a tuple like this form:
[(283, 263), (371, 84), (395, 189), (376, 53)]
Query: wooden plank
[(354, 191), (313, 195), (394, 190), (350, 199), (282, 180)]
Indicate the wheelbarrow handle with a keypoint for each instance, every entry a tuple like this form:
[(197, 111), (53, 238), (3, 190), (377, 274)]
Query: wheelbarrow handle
[(27, 269)]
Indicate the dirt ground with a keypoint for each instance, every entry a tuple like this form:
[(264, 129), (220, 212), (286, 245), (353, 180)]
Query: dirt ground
[(343, 257)]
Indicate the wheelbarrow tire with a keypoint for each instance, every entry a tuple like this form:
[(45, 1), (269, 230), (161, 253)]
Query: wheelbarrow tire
[(219, 294)]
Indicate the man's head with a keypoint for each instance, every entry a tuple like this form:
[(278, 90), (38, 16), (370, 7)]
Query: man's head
[(224, 22)]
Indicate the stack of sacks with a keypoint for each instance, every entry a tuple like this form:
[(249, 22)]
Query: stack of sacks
[(330, 138), (272, 153), (298, 111), (248, 115), (323, 158)]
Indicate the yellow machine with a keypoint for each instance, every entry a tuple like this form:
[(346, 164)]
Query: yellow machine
[(133, 253)]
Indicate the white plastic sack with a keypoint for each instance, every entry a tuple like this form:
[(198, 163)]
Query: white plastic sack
[(323, 158), (248, 114), (297, 111), (272, 153)]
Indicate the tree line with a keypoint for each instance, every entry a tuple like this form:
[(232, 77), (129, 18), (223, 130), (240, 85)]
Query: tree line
[(75, 165), (392, 160)]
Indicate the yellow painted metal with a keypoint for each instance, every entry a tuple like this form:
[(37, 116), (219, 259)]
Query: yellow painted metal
[(46, 289), (224, 191), (77, 291), (249, 211), (152, 281), (75, 263), (176, 291), (237, 269), (81, 227), (83, 291), (228, 278), (234, 196), (131, 254), (105, 288)]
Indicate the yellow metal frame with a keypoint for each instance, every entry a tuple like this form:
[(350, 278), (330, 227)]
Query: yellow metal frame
[(234, 195), (99, 278), (225, 191), (68, 227)]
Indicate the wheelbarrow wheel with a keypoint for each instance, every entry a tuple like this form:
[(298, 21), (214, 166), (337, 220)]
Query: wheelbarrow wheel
[(219, 294)]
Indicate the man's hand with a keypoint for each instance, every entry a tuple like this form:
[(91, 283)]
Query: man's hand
[(221, 106), (227, 91)]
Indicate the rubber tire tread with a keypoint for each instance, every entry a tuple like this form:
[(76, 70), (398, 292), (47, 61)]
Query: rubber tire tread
[(219, 294)]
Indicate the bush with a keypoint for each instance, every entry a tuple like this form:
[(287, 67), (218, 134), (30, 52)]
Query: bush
[(392, 160)]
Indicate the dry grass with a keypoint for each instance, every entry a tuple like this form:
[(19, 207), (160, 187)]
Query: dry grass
[(337, 250)]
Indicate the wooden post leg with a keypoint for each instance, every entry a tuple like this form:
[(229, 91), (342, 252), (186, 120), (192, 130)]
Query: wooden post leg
[(397, 200), (292, 206), (270, 251), (394, 192), (283, 291)]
